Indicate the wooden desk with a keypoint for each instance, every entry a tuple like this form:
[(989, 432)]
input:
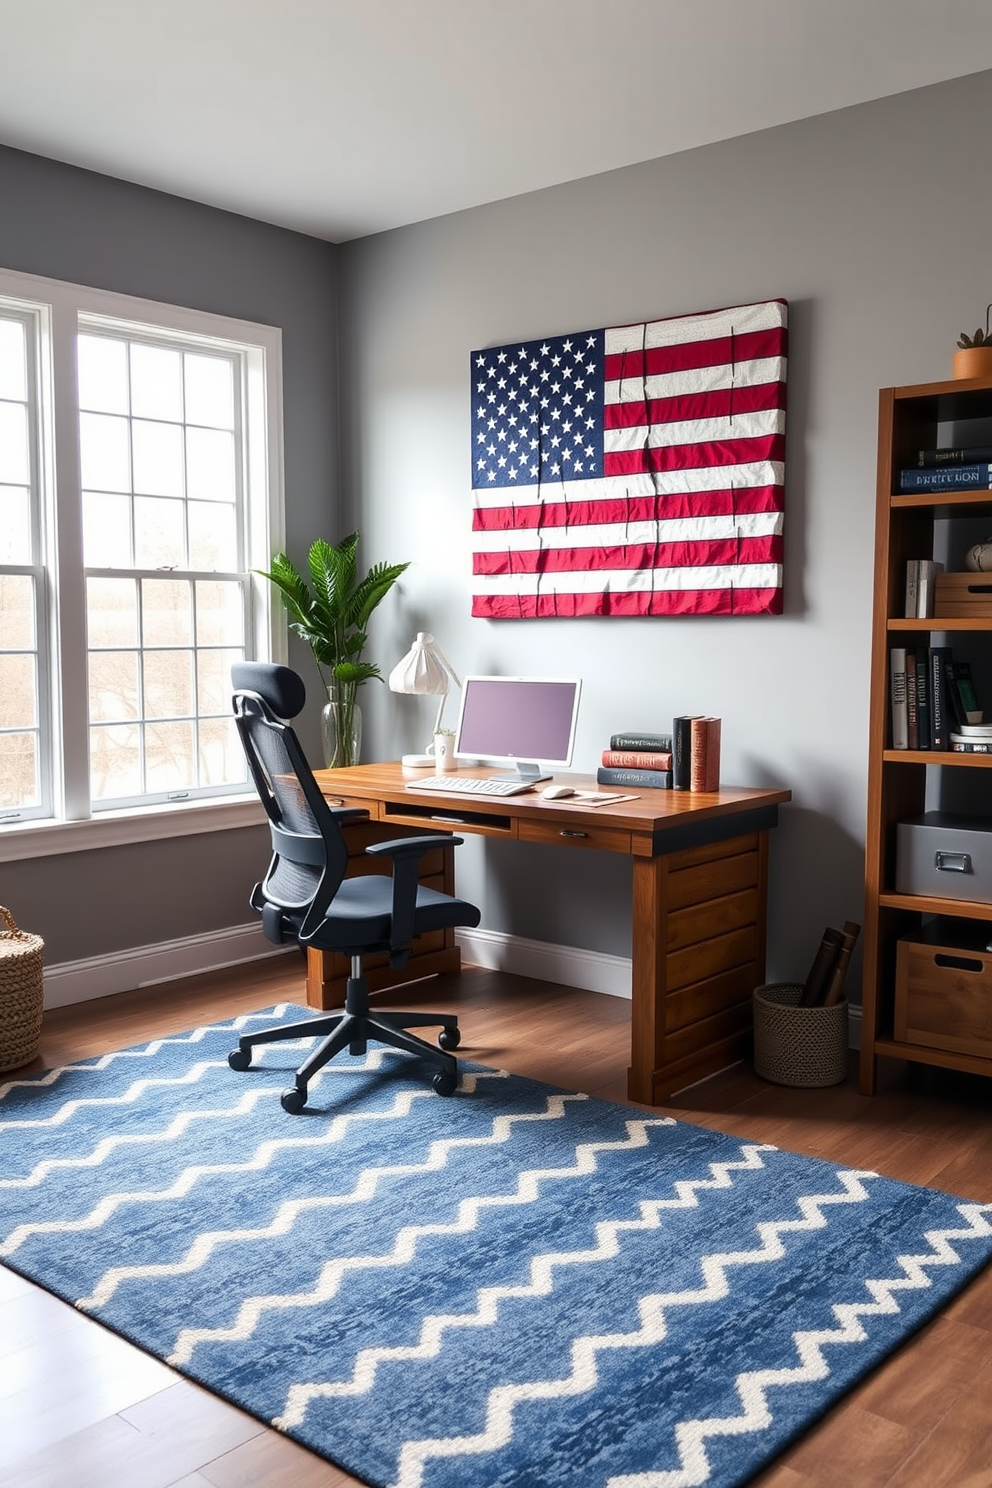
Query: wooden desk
[(700, 864)]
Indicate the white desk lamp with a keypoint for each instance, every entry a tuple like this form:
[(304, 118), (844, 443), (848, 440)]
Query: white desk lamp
[(424, 670)]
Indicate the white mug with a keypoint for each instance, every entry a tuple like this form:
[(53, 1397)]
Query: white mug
[(444, 753)]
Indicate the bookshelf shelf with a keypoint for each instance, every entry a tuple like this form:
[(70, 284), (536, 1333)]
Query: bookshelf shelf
[(902, 784), (927, 627)]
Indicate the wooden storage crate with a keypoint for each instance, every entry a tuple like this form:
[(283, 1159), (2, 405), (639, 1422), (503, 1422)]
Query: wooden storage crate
[(962, 596), (943, 995)]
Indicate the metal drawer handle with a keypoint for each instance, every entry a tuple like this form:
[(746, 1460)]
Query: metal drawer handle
[(566, 833), (952, 862)]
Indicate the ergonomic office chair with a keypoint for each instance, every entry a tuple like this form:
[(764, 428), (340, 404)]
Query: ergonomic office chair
[(305, 896)]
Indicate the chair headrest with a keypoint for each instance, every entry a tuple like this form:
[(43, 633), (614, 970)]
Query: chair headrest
[(278, 686)]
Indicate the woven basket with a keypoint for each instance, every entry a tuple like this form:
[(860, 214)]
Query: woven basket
[(22, 994), (798, 1045)]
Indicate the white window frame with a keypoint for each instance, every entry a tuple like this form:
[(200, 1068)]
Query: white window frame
[(59, 307)]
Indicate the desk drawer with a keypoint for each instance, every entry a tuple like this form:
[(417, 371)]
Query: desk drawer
[(574, 834)]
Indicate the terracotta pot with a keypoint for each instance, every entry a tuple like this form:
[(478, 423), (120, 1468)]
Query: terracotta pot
[(973, 361)]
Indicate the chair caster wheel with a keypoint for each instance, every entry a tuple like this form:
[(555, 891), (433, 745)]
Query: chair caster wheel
[(293, 1100), (445, 1083), (449, 1038), (239, 1059)]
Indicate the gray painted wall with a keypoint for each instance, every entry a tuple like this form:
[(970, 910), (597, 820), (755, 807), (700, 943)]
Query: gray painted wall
[(874, 223), (90, 229)]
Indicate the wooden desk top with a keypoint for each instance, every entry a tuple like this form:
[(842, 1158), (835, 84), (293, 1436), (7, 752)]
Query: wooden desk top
[(384, 787)]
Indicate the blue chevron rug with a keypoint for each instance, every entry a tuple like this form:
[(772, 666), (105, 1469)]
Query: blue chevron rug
[(515, 1286)]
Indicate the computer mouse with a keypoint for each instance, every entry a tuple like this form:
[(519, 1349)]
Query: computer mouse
[(557, 792)]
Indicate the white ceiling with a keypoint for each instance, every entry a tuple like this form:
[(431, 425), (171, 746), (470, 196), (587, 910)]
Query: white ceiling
[(344, 117)]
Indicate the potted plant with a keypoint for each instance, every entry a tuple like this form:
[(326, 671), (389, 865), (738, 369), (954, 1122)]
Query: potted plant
[(974, 358), (332, 617)]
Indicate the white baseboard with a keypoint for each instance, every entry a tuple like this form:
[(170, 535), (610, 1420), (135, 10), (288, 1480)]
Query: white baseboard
[(124, 971), (590, 970)]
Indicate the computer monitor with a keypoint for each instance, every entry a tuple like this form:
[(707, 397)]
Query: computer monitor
[(526, 722)]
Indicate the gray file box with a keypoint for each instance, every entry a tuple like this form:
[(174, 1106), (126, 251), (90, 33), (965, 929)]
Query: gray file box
[(945, 857)]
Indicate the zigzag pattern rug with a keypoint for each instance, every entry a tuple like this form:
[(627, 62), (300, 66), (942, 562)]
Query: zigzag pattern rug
[(515, 1286)]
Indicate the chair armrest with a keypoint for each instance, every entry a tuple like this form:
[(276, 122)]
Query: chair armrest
[(406, 853), (409, 847)]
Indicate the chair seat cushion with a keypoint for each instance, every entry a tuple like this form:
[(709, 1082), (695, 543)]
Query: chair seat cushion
[(358, 917)]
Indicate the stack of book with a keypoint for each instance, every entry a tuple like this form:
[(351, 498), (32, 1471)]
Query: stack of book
[(972, 738), (921, 575), (933, 698), (968, 469), (641, 759)]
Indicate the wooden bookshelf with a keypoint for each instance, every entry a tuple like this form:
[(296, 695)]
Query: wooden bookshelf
[(901, 782)]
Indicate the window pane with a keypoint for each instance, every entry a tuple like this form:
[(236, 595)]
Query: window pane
[(213, 680), (158, 458), (103, 452), (13, 363), (210, 465), (115, 762), (18, 691), (166, 612), (222, 760), (15, 524), (14, 464), (209, 391), (113, 686), (16, 612), (168, 684), (213, 537), (19, 774), (156, 382), (158, 532), (219, 613), (102, 374), (106, 530), (170, 756), (111, 612)]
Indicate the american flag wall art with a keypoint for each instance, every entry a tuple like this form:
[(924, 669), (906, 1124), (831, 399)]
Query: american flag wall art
[(636, 470)]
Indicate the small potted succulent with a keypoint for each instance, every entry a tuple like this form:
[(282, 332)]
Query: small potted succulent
[(974, 356)]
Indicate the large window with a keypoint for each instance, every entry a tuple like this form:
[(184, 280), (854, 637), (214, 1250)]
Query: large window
[(140, 486)]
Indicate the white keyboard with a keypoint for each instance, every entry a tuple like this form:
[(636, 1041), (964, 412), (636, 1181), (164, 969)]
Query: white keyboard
[(470, 785)]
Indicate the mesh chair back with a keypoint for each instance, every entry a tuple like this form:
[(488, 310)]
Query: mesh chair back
[(309, 853)]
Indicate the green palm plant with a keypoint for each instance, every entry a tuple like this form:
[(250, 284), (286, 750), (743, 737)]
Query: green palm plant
[(331, 614)]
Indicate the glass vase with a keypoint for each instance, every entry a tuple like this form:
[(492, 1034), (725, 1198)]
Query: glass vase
[(341, 726)]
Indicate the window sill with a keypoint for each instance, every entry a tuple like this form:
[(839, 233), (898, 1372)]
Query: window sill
[(43, 839)]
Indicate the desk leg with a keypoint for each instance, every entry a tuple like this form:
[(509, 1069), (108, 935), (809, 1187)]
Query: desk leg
[(698, 952)]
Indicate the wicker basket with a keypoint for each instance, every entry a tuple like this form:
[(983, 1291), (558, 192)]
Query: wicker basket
[(22, 994), (798, 1045)]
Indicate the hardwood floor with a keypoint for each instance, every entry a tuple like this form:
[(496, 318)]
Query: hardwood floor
[(81, 1408)]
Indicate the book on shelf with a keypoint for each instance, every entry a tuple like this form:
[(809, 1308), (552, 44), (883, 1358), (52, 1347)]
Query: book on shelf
[(704, 754), (656, 779), (968, 744), (975, 477), (928, 569), (634, 740), (912, 725), (974, 730), (923, 704), (964, 698), (897, 695), (912, 588), (940, 705), (638, 759), (934, 458), (682, 750)]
